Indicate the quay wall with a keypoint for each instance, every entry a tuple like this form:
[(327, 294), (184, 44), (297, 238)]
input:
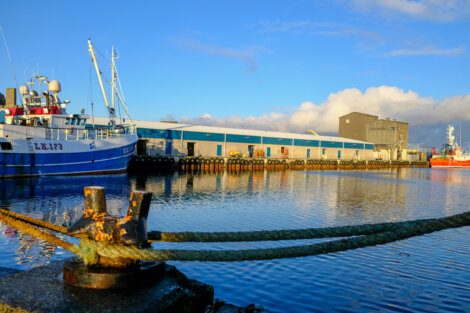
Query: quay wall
[(147, 164)]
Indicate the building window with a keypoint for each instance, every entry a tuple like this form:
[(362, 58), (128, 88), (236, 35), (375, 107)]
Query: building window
[(6, 145), (323, 152), (347, 121)]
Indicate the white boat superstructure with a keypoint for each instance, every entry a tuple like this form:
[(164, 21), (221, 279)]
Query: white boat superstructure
[(39, 137)]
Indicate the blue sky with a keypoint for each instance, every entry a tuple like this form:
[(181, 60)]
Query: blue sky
[(280, 65)]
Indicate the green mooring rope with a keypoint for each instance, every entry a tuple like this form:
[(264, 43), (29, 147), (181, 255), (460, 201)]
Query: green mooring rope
[(287, 234), (408, 230), (366, 235)]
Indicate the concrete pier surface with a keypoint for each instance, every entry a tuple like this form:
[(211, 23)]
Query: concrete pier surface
[(5, 271), (42, 290)]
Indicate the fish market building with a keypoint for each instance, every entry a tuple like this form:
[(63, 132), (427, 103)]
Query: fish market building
[(181, 140)]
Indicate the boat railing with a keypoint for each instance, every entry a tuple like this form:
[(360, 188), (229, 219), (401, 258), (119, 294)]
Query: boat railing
[(89, 133)]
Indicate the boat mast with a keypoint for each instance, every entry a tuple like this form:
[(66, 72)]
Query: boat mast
[(98, 73)]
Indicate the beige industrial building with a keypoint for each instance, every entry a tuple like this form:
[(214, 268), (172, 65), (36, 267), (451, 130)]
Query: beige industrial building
[(175, 139), (389, 136)]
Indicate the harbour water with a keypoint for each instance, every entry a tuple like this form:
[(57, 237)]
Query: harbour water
[(430, 273)]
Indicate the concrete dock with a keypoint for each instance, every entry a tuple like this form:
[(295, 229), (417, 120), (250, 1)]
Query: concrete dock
[(43, 290)]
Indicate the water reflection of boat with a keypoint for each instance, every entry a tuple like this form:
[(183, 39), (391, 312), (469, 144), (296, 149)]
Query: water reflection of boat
[(59, 199), (449, 176), (52, 187)]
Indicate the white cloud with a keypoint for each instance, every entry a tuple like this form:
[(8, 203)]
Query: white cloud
[(316, 29), (384, 101), (437, 10), (248, 55), (280, 26), (426, 51), (271, 121)]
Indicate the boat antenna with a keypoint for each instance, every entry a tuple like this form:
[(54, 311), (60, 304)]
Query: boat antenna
[(120, 95), (123, 103), (9, 59), (98, 73), (90, 97)]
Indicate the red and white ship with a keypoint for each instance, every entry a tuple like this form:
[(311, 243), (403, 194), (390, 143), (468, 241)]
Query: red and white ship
[(451, 155)]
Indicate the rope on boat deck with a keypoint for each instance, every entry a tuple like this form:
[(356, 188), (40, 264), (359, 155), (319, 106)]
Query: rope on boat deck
[(372, 234)]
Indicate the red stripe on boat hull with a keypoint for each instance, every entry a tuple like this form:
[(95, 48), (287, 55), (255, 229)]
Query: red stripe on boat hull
[(448, 162)]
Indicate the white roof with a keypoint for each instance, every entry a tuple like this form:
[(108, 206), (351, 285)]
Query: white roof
[(228, 130)]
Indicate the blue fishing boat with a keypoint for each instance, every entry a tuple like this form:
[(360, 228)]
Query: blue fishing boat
[(38, 137)]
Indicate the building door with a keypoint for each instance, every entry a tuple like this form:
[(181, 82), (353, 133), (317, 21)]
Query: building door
[(268, 152), (168, 147), (142, 146), (339, 154), (308, 153), (219, 150), (251, 150), (190, 146)]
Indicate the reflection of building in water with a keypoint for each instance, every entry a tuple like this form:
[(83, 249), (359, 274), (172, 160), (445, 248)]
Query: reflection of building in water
[(306, 187), (367, 195), (370, 196), (182, 184), (284, 180)]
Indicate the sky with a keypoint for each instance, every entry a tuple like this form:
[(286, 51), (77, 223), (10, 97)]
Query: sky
[(275, 65)]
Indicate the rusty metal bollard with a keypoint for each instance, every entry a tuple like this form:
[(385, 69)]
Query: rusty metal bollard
[(131, 229)]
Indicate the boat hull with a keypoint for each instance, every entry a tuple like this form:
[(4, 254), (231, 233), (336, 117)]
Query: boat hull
[(448, 162), (61, 157)]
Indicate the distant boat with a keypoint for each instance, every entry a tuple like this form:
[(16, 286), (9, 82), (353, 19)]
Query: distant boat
[(40, 138), (451, 154)]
